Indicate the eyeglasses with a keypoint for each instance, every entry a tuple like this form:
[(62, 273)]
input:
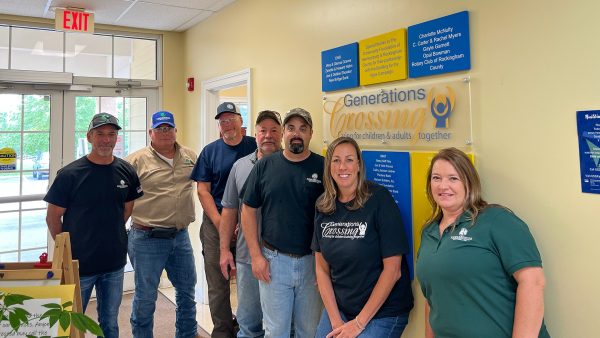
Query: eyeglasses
[(164, 129), (227, 121)]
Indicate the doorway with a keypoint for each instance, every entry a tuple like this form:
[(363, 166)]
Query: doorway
[(46, 130)]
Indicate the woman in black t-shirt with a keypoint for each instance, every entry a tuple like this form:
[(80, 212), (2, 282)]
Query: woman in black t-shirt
[(359, 243)]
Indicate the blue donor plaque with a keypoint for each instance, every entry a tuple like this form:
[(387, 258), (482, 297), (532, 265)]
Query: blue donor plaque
[(439, 46), (339, 68), (391, 169), (588, 131)]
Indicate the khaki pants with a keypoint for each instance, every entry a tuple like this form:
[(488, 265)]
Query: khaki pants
[(218, 287)]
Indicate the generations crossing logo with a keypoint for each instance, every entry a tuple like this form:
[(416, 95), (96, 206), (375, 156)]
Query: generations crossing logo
[(421, 116), (441, 106)]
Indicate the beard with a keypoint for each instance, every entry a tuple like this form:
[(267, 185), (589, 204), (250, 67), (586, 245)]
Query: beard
[(296, 148)]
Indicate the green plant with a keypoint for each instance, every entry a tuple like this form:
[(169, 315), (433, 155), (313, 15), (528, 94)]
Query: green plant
[(11, 310)]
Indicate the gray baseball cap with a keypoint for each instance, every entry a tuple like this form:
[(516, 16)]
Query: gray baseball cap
[(300, 113), (102, 119), (226, 107)]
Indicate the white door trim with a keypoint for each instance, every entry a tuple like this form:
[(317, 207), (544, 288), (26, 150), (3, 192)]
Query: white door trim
[(210, 97)]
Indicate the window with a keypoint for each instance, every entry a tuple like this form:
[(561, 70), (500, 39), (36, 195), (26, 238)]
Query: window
[(4, 33), (89, 55), (36, 49)]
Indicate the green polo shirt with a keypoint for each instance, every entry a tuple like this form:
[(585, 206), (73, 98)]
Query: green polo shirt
[(467, 274)]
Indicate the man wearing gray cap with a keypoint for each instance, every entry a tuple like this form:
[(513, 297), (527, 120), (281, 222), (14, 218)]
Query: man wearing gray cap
[(285, 186), (211, 172), (91, 198)]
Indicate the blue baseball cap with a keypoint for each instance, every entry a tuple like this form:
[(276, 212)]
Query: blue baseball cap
[(162, 117)]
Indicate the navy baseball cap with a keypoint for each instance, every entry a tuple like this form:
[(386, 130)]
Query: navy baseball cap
[(102, 119), (226, 107), (162, 117)]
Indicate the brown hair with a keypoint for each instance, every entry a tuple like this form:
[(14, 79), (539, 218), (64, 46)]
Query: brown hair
[(468, 175), (326, 202)]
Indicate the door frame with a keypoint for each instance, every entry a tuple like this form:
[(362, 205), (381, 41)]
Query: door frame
[(55, 139), (68, 135)]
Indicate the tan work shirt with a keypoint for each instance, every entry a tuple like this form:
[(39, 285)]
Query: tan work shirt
[(169, 192)]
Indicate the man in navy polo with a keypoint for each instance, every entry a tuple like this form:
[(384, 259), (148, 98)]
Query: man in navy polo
[(211, 172)]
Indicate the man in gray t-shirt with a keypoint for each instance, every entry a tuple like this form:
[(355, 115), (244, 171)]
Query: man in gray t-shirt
[(268, 140)]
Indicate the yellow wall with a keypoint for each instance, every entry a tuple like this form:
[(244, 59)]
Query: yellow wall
[(534, 63)]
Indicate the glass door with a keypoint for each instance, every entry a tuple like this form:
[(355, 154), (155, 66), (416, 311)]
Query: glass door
[(30, 155), (133, 107)]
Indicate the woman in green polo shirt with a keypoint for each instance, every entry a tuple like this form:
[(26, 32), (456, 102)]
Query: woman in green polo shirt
[(478, 264)]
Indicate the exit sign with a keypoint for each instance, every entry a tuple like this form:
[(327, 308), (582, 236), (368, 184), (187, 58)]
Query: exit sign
[(74, 20)]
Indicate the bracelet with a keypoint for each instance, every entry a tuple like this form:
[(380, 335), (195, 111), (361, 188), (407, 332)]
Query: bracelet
[(361, 327)]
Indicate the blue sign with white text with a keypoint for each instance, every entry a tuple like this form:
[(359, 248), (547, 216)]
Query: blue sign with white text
[(392, 170), (339, 68), (439, 46), (588, 131)]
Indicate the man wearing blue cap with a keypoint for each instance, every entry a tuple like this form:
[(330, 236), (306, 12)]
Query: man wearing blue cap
[(91, 198), (159, 238), (211, 173)]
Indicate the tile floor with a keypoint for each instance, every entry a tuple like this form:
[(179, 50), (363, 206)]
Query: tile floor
[(202, 310)]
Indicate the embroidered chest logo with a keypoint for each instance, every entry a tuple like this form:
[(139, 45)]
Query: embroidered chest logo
[(314, 178), (349, 230), (122, 185), (462, 236)]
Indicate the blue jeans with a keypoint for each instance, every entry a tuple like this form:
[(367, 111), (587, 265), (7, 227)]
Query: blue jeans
[(109, 292), (149, 256), (249, 313), (391, 327), (292, 293)]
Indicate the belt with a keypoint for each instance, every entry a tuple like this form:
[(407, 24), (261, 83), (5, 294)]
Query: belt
[(141, 227), (272, 248)]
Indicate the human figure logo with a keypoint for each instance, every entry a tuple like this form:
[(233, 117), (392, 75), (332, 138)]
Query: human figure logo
[(441, 106)]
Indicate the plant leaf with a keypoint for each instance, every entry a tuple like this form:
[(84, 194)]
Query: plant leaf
[(53, 320), (51, 313), (85, 323), (22, 314), (14, 321), (67, 304), (65, 320), (13, 299), (77, 319), (51, 306)]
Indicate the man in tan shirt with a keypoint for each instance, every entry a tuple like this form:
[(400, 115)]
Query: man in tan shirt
[(158, 238)]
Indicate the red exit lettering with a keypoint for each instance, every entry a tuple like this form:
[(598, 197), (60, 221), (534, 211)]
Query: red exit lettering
[(77, 21)]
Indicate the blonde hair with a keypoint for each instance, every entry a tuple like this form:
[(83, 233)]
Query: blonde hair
[(326, 202), (474, 202)]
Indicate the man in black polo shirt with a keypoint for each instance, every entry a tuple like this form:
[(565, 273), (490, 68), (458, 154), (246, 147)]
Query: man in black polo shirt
[(286, 185)]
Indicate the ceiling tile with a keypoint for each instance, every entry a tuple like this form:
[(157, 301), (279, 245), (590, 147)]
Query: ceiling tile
[(146, 15), (33, 8), (195, 4), (220, 4), (194, 21)]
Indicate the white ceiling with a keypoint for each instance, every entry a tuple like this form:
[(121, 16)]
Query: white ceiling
[(164, 15)]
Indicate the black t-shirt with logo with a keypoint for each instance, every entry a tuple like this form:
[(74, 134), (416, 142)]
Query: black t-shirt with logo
[(354, 244), (94, 196), (287, 192)]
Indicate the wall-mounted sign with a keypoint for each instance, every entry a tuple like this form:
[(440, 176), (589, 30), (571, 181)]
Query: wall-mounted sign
[(439, 46), (8, 159), (392, 170), (339, 68), (588, 130), (429, 116), (383, 58), (74, 20)]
